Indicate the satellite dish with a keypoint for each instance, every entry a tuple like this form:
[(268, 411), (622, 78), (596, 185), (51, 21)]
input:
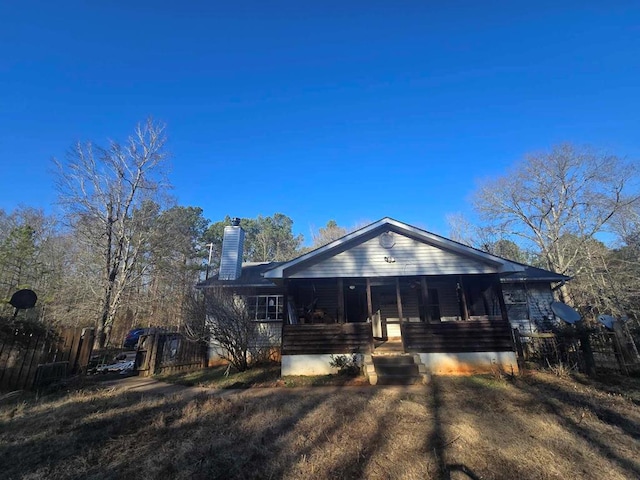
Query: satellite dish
[(565, 312), (24, 298), (607, 321)]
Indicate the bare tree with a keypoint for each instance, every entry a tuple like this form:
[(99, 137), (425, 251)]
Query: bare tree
[(549, 197), (485, 238), (332, 231), (230, 323), (104, 191)]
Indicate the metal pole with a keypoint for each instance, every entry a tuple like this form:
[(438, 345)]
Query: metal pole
[(210, 245)]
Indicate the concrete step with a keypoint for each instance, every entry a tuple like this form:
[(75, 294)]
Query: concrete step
[(400, 380), (393, 359), (397, 370)]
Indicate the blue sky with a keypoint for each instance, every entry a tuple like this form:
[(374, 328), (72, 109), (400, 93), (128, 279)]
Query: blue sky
[(320, 110)]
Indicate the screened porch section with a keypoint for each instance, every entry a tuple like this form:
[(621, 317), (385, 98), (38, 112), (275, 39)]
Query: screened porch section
[(443, 313), (392, 301)]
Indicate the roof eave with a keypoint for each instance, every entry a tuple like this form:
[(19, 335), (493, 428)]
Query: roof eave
[(533, 280)]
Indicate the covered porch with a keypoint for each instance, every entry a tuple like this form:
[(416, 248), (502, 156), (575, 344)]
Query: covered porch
[(390, 304), (446, 320)]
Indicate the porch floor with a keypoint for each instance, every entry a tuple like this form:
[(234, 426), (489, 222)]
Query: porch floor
[(392, 345)]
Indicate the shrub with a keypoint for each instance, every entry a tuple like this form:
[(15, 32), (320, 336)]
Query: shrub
[(346, 364)]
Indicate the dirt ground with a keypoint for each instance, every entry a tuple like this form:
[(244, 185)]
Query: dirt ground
[(534, 427)]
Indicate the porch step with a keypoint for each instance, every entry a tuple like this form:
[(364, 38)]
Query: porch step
[(393, 360), (400, 369), (399, 380), (390, 346)]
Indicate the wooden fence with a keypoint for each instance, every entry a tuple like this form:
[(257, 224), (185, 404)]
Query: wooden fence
[(169, 352), (588, 350), (29, 361)]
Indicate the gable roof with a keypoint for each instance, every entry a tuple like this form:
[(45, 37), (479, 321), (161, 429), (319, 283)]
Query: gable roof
[(284, 269)]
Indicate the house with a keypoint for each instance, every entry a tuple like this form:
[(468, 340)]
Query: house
[(390, 288)]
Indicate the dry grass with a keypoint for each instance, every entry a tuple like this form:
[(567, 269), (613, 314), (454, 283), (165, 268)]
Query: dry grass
[(538, 427), (223, 376)]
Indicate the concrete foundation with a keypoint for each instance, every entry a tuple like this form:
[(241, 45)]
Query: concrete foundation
[(312, 364), (464, 363), (469, 363)]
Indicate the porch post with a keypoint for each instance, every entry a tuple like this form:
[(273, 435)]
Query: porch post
[(399, 300), (370, 314), (340, 301), (285, 318), (425, 299), (369, 302), (463, 300), (285, 304), (498, 291)]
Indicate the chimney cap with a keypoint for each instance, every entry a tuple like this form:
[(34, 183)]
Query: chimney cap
[(235, 222)]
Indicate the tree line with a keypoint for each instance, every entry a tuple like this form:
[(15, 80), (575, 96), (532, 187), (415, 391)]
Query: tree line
[(124, 254), (572, 210)]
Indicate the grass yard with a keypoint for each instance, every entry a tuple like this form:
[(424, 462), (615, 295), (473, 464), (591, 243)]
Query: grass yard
[(535, 427), (224, 376)]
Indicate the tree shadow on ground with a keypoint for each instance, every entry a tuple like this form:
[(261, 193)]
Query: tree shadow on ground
[(449, 429), (556, 399), (437, 440)]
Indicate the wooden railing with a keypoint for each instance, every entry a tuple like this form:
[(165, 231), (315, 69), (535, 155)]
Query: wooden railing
[(333, 338), (448, 337)]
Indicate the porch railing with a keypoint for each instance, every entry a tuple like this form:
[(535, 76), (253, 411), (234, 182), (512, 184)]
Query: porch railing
[(449, 337), (338, 338)]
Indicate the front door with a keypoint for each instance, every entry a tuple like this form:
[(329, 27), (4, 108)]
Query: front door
[(355, 302), (386, 321)]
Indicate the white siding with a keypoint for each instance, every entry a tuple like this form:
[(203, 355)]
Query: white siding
[(410, 257)]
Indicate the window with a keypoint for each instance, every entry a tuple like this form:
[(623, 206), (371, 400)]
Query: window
[(265, 308), (515, 299)]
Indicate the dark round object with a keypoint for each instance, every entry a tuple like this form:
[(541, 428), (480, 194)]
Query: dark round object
[(565, 312), (24, 298), (607, 321)]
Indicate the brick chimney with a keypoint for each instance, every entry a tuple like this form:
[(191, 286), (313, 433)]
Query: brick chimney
[(232, 246)]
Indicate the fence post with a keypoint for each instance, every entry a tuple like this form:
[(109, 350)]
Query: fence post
[(153, 354), (519, 350), (617, 349), (585, 345), (84, 352)]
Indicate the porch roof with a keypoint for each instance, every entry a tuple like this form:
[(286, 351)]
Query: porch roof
[(533, 274)]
